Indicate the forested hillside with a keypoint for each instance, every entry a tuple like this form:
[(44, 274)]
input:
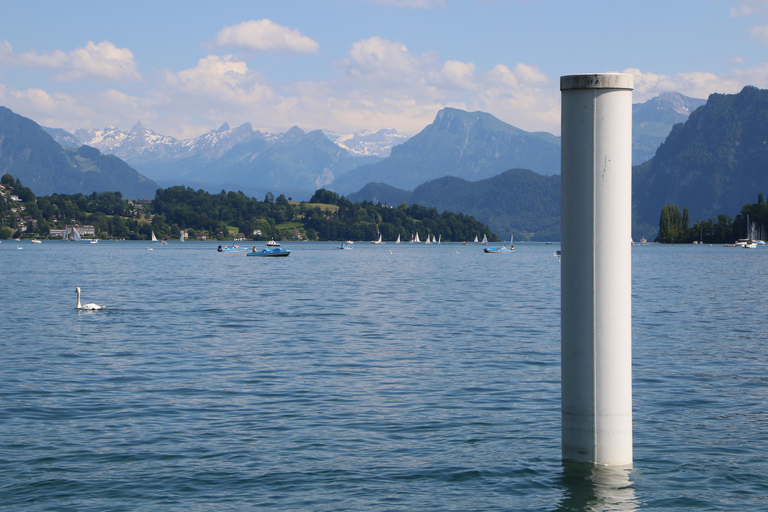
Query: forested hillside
[(327, 216)]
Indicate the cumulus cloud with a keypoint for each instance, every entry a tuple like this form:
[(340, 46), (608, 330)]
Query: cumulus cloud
[(760, 32), (377, 60), (223, 79), (696, 84), (750, 8), (265, 36), (102, 61)]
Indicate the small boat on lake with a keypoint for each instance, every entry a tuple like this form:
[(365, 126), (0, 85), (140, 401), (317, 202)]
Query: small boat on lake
[(277, 251), (502, 249), (232, 247)]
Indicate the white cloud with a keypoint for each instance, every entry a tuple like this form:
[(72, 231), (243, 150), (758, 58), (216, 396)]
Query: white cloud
[(696, 84), (102, 61), (760, 32), (459, 74), (379, 61), (265, 36), (750, 8)]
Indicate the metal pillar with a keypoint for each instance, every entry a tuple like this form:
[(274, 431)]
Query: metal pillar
[(596, 285)]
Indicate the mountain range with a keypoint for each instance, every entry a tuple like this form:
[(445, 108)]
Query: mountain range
[(469, 145), (711, 163)]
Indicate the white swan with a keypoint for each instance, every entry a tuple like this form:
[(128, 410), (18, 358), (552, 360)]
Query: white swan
[(86, 306)]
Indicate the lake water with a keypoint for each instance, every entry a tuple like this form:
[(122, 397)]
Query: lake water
[(386, 378)]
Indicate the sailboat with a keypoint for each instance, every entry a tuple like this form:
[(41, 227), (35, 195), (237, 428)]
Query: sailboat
[(398, 239)]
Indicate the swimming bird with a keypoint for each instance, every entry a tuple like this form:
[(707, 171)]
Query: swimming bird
[(91, 305)]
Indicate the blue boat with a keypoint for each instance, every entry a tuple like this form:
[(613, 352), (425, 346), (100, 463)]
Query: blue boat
[(503, 248), (498, 249), (231, 248), (277, 251)]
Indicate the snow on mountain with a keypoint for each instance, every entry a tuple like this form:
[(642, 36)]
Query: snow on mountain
[(367, 143)]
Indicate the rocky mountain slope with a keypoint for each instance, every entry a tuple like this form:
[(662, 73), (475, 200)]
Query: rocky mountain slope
[(29, 153)]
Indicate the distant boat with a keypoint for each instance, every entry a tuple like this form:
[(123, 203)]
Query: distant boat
[(154, 238), (232, 247), (502, 249), (277, 251)]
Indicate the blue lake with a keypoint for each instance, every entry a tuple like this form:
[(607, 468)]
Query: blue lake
[(386, 378)]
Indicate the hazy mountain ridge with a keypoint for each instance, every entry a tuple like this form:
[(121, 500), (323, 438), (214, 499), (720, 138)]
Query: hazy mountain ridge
[(653, 120), (517, 201), (29, 153), (716, 162), (469, 145)]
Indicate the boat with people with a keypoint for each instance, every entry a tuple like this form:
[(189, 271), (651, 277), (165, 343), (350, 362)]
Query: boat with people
[(277, 251), (502, 249), (233, 247)]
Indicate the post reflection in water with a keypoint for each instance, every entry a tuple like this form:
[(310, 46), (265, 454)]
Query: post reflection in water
[(596, 488)]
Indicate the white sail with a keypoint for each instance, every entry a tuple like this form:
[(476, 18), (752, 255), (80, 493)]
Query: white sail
[(154, 238), (76, 235), (398, 238)]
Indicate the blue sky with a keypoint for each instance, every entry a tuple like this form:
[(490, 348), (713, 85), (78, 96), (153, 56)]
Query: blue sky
[(184, 68)]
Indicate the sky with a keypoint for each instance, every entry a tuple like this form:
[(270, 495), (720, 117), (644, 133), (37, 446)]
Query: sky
[(184, 68)]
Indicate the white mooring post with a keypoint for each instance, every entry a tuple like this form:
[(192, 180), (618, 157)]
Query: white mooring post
[(596, 279)]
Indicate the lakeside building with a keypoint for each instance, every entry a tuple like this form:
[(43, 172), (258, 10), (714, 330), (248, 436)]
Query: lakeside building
[(83, 229)]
